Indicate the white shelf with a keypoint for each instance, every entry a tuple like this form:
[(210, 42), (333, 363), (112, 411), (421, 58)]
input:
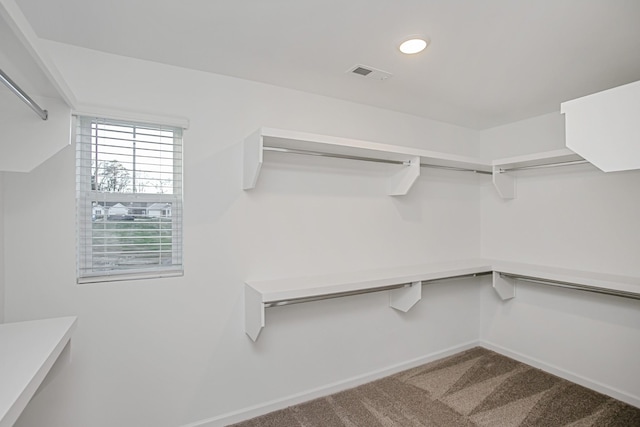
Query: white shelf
[(399, 184), (607, 283), (258, 294), (409, 159), (537, 159), (261, 294), (28, 350), (505, 182), (604, 127)]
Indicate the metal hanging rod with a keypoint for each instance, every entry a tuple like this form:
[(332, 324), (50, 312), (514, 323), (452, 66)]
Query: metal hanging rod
[(366, 159), (44, 114), (280, 303), (569, 285), (548, 165)]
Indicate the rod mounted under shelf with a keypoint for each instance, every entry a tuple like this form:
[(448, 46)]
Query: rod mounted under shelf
[(569, 285), (280, 303), (546, 165), (44, 114), (368, 159)]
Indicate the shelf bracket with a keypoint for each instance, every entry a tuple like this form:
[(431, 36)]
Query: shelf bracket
[(505, 287), (401, 181), (504, 183), (403, 299), (253, 158), (253, 312)]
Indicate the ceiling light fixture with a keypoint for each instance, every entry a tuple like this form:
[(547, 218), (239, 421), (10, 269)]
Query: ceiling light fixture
[(414, 45)]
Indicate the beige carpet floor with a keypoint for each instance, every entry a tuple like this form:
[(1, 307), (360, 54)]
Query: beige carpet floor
[(477, 387)]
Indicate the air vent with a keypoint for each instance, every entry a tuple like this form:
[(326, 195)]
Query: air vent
[(369, 72)]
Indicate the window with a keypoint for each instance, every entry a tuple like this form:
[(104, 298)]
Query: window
[(129, 200)]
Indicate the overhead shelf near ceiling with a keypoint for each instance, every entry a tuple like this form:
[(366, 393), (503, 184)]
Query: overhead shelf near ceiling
[(409, 160), (604, 127), (504, 180)]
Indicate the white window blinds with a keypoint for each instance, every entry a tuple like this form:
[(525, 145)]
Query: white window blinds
[(129, 200)]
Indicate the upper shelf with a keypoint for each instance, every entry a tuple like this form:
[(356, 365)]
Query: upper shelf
[(604, 127), (408, 159), (554, 157), (28, 351), (505, 183)]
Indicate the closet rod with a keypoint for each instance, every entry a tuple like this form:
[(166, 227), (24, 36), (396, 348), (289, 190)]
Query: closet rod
[(279, 303), (576, 286), (44, 114), (366, 159), (548, 165)]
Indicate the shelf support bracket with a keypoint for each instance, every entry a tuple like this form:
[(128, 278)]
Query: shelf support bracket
[(403, 299), (401, 181), (253, 158), (254, 311), (504, 183), (505, 287)]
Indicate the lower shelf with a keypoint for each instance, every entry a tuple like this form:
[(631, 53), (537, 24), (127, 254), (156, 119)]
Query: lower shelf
[(28, 351), (405, 290)]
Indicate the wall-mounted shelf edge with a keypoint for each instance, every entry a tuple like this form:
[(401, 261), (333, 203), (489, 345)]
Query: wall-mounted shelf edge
[(406, 281), (505, 182), (404, 284), (29, 350), (408, 159)]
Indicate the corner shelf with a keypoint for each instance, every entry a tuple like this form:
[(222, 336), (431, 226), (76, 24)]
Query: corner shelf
[(505, 183), (408, 159), (405, 290), (602, 283), (29, 350)]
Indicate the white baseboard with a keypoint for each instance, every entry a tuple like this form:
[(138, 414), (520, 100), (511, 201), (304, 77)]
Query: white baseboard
[(274, 405), (563, 373)]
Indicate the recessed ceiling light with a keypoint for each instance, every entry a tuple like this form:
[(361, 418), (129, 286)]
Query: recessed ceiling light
[(413, 45)]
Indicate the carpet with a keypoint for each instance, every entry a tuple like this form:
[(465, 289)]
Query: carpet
[(475, 388)]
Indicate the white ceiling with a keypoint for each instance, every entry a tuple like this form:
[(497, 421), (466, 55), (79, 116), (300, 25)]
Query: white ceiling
[(490, 62)]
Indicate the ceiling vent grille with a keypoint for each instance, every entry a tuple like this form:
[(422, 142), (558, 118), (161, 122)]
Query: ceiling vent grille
[(369, 72)]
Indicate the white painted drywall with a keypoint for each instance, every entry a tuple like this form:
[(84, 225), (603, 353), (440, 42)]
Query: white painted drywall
[(2, 273), (173, 351), (26, 139), (574, 217), (543, 133)]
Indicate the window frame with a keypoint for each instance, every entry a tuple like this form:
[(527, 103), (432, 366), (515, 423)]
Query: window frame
[(86, 196)]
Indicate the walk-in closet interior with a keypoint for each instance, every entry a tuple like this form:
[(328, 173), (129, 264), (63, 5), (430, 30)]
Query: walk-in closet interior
[(214, 210)]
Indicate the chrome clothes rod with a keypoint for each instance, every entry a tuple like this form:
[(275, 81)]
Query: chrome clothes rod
[(280, 303), (366, 159), (548, 165), (569, 285), (44, 114)]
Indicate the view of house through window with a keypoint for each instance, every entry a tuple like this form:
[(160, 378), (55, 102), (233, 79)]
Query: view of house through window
[(129, 196)]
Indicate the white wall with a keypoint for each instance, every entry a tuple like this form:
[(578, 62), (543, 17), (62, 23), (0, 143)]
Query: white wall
[(574, 217), (543, 133), (173, 351), (2, 247)]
